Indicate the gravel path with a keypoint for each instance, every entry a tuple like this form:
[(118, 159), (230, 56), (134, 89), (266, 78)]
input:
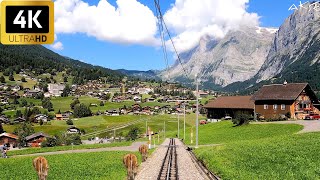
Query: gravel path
[(186, 168), (151, 168), (134, 147), (308, 126)]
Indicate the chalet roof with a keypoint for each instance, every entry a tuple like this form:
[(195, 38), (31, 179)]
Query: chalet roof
[(20, 119), (290, 91), (35, 135), (73, 127), (13, 136), (231, 102)]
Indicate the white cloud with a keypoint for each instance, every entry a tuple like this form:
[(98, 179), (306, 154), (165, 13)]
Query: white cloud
[(57, 46), (130, 22), (192, 19)]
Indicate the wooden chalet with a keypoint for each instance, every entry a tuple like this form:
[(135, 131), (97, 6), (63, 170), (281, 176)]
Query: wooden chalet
[(59, 117), (278, 100), (19, 120), (7, 138), (4, 120), (36, 139), (73, 130), (229, 106)]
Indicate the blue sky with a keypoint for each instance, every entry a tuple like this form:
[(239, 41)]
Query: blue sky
[(144, 56)]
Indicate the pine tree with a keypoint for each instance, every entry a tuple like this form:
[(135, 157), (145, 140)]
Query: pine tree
[(2, 79), (11, 78)]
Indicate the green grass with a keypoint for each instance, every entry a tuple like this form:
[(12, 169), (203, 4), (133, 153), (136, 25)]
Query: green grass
[(204, 100), (224, 132), (259, 151), (65, 148), (63, 103), (98, 165), (284, 157), (29, 84), (90, 124)]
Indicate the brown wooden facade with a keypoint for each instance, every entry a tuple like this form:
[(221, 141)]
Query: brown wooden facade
[(274, 109), (277, 101), (10, 139), (219, 113)]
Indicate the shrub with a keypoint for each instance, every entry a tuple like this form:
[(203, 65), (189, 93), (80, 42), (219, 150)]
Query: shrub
[(69, 122), (49, 142), (101, 103), (133, 134), (81, 110), (23, 79), (288, 115), (241, 119)]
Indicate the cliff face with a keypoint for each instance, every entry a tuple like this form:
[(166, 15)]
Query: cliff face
[(236, 57), (297, 34)]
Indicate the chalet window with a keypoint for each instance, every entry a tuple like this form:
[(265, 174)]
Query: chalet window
[(283, 106), (265, 106), (275, 106)]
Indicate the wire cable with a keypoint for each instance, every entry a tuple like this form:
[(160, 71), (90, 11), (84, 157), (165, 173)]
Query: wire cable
[(158, 9)]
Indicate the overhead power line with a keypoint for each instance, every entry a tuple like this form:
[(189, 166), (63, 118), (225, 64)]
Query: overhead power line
[(163, 24)]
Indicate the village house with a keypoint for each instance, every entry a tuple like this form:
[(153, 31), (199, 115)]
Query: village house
[(19, 120), (7, 138), (73, 130), (229, 106), (55, 89), (31, 93), (144, 90), (59, 117), (4, 120), (41, 117), (295, 100), (112, 112), (36, 139)]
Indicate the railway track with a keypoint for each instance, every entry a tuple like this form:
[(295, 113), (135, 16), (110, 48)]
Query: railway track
[(169, 168)]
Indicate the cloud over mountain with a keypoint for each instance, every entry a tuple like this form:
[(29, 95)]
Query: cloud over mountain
[(192, 19), (131, 22)]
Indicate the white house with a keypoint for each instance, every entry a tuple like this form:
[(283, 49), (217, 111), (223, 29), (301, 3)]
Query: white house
[(55, 89)]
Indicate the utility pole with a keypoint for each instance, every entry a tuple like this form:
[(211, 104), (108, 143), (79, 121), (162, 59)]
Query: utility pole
[(146, 126), (197, 111), (184, 122), (164, 129), (178, 125)]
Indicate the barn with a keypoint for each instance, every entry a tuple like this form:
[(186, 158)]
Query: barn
[(36, 139), (229, 106), (7, 138)]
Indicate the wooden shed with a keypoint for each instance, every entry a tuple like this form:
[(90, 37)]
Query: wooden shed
[(229, 106)]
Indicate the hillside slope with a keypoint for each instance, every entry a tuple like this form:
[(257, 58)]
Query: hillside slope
[(41, 60)]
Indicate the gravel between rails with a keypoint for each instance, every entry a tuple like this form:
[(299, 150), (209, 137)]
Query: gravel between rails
[(186, 168), (151, 168)]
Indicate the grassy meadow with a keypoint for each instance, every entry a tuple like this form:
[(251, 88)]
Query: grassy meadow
[(66, 148), (264, 151), (95, 165)]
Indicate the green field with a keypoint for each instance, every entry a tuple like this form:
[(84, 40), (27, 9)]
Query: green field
[(17, 81), (90, 124), (66, 148), (97, 165), (269, 151), (97, 123)]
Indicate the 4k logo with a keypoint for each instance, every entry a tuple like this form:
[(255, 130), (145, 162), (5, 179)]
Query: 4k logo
[(22, 22), (27, 22)]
